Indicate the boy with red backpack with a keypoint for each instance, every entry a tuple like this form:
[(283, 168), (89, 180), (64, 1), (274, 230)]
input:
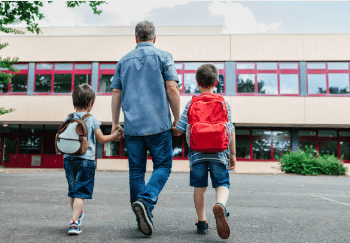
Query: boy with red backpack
[(211, 138)]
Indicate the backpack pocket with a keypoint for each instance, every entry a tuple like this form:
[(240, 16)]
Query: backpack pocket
[(209, 138)]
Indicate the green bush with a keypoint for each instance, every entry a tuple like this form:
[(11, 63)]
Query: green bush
[(309, 163)]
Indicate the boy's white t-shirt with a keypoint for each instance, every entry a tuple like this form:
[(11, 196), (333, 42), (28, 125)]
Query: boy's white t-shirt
[(92, 123)]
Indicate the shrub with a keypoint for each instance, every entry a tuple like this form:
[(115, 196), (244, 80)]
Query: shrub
[(309, 163)]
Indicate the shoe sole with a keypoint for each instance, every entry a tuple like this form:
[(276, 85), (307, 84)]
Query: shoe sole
[(74, 232), (222, 226), (145, 224)]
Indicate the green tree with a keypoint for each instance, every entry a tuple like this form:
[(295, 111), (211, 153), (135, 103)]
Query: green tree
[(14, 12)]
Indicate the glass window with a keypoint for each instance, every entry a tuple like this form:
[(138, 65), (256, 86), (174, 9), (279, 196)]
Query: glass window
[(344, 134), (317, 65), (20, 66), (51, 128), (327, 133), (191, 86), (267, 65), (4, 88), (284, 133), (9, 128), (105, 83), (338, 83), (82, 66), (192, 65), (64, 66), (328, 147), (306, 133), (258, 132), (19, 84), (44, 66), (43, 83), (267, 83), (178, 65), (62, 83), (108, 66), (242, 132), (345, 150), (180, 82), (10, 147), (317, 84), (82, 79), (246, 83), (49, 144), (303, 144), (177, 147), (289, 84), (111, 148), (338, 66), (288, 65), (280, 147), (31, 128), (245, 66), (219, 88), (262, 149), (243, 149), (29, 145)]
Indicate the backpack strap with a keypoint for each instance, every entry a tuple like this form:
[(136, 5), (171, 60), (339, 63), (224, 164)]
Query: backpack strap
[(85, 116), (70, 116)]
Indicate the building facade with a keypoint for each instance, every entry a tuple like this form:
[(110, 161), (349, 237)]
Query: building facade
[(285, 91)]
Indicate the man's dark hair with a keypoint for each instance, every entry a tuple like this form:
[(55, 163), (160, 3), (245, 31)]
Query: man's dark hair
[(145, 31), (82, 96), (207, 75)]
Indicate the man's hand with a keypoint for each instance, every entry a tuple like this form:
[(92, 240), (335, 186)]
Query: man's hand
[(118, 129), (232, 162), (176, 132)]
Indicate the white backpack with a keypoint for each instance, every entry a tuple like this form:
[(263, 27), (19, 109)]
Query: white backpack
[(72, 136)]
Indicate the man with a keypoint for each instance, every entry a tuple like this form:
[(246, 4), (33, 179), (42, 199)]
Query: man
[(144, 84)]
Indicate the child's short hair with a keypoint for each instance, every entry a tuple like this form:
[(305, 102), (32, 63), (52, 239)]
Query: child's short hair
[(82, 96), (207, 75)]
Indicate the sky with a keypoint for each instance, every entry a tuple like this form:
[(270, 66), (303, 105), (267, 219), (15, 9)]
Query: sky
[(236, 17)]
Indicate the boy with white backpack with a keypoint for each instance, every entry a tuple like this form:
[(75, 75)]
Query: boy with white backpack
[(211, 138), (80, 164)]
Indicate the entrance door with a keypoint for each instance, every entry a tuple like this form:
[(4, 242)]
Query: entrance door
[(8, 150)]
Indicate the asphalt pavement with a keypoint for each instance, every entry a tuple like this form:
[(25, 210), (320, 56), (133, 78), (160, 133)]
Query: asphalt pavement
[(34, 207)]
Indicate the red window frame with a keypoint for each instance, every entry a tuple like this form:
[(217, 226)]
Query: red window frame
[(104, 72), (318, 138), (183, 72), (251, 138), (52, 72), (325, 71), (257, 71), (21, 72)]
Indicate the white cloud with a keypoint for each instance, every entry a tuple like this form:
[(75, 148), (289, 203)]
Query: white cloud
[(115, 13), (239, 19)]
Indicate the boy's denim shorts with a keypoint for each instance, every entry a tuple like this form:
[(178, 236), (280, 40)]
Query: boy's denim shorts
[(219, 174), (80, 175)]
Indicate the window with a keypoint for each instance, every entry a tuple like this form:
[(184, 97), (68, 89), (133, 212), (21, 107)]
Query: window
[(328, 78), (106, 73), (187, 77), (60, 78), (113, 149), (18, 83), (267, 78), (262, 144)]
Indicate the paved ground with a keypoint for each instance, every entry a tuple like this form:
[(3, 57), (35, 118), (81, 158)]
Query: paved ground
[(264, 208)]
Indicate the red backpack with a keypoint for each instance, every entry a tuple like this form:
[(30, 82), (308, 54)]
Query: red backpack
[(208, 129)]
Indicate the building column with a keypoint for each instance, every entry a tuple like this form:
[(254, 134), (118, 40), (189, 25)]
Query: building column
[(31, 75), (302, 77), (294, 134), (230, 82), (94, 76)]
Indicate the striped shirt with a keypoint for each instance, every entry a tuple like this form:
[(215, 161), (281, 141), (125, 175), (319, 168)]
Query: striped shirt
[(195, 157)]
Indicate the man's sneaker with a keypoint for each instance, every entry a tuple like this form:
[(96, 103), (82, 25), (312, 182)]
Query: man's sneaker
[(145, 222), (221, 215), (81, 216), (74, 228), (202, 227)]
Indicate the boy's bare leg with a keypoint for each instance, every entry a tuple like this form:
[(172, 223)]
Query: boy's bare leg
[(199, 202), (71, 202), (77, 207), (222, 193)]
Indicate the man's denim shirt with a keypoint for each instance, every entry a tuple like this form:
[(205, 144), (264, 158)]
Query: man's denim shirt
[(140, 76)]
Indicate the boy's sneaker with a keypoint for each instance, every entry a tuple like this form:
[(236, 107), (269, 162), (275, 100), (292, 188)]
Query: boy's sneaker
[(80, 217), (221, 215), (74, 228), (202, 227), (142, 213)]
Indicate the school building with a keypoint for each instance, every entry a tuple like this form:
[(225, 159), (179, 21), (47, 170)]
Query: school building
[(285, 91)]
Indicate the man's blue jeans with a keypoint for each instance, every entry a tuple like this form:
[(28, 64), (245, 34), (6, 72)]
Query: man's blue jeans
[(160, 147)]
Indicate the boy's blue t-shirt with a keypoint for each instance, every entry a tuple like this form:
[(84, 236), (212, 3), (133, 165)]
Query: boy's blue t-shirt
[(92, 123), (195, 157)]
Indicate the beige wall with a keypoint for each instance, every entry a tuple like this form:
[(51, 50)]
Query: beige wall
[(245, 110), (189, 47)]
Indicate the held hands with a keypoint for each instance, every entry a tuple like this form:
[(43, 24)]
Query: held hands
[(118, 132), (232, 162)]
